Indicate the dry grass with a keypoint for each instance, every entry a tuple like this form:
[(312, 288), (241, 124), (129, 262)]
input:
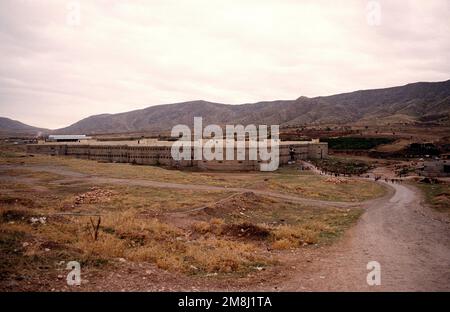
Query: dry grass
[(202, 227), (437, 196), (214, 226), (41, 176), (287, 179), (149, 199), (278, 224), (210, 255), (227, 244), (293, 236), (60, 195), (137, 239), (125, 235), (138, 223), (316, 187)]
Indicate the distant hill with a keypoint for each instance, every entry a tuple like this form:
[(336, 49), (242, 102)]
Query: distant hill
[(12, 127), (422, 101), (415, 102)]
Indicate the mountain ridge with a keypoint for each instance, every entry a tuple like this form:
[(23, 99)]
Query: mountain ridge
[(10, 126), (419, 101)]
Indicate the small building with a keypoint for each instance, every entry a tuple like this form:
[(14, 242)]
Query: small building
[(67, 138), (437, 167)]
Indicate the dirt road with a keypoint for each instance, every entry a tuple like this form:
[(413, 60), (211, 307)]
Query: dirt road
[(410, 242)]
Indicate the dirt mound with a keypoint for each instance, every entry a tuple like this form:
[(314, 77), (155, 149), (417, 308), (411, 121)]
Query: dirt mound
[(94, 196), (240, 202), (247, 230)]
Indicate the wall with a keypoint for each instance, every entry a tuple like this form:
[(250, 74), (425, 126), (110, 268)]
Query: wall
[(161, 155), (436, 168)]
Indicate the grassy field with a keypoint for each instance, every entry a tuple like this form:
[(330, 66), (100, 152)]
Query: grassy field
[(309, 185), (42, 225), (287, 179), (129, 227), (46, 219), (137, 225)]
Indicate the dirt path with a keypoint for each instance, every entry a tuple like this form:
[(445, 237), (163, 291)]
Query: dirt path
[(411, 244)]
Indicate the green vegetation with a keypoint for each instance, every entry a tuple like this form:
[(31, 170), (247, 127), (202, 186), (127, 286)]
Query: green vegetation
[(355, 143), (418, 149), (342, 165)]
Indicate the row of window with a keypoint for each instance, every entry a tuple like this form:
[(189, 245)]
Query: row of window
[(132, 148), (122, 156)]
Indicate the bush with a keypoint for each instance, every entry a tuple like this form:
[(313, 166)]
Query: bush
[(357, 143)]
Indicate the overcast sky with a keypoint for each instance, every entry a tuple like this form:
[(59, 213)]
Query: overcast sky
[(56, 68)]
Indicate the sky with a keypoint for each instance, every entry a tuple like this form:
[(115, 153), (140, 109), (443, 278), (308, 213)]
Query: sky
[(61, 61)]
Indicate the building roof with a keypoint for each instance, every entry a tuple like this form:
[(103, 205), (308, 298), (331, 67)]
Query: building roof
[(156, 143), (67, 136)]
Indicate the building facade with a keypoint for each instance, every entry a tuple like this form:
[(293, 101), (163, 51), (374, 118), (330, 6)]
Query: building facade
[(154, 152), (437, 167)]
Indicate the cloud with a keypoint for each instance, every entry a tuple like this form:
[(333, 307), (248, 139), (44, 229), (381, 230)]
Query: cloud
[(127, 55)]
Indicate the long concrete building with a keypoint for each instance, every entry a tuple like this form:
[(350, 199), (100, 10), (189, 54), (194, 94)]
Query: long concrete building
[(156, 152)]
